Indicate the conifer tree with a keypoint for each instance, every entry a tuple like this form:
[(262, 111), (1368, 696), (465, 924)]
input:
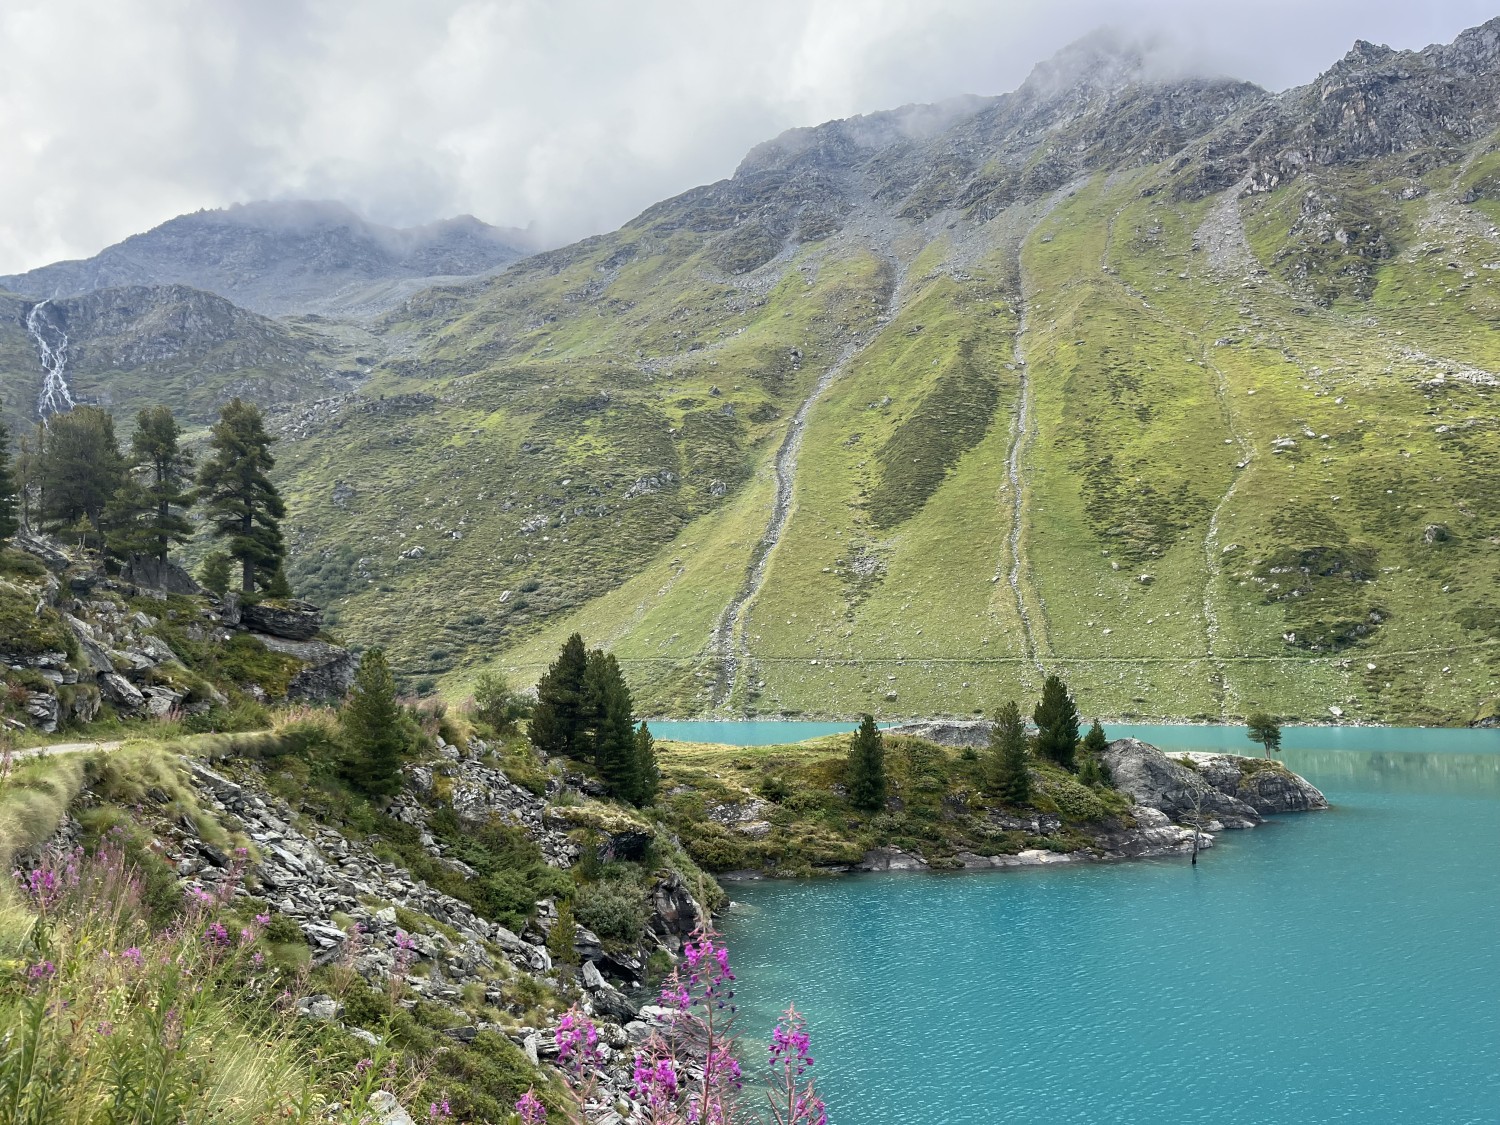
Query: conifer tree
[(1009, 776), (1264, 728), (614, 739), (78, 468), (865, 775), (555, 720), (372, 728), (243, 505), (214, 573), (1091, 767), (648, 776), (9, 520), (144, 521), (1056, 718)]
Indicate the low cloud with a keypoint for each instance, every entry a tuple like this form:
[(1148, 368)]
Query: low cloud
[(573, 115)]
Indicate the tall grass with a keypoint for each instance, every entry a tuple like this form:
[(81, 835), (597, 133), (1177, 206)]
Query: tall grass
[(34, 797), (103, 1019)]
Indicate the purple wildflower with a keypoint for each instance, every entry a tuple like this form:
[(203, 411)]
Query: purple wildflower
[(531, 1110)]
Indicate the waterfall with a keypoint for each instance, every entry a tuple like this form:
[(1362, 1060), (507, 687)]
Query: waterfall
[(55, 397)]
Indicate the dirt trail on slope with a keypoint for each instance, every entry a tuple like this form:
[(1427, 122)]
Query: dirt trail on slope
[(727, 645), (1021, 429)]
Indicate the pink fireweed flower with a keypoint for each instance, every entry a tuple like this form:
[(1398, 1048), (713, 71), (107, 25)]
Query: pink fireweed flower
[(216, 935), (577, 1040), (363, 1065), (134, 956), (531, 1110), (654, 1082), (262, 920), (436, 1110), (105, 1028), (42, 970)]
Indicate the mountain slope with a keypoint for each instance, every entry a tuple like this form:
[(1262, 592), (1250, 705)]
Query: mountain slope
[(138, 345), (1181, 388), (288, 257)]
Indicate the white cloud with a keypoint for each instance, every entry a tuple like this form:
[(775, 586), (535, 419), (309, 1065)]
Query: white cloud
[(575, 114)]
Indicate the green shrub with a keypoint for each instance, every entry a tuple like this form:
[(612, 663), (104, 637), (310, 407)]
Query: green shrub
[(615, 909)]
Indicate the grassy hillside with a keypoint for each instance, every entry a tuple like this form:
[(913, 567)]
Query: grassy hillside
[(1257, 472)]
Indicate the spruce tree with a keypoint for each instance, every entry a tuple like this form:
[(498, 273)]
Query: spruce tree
[(1009, 776), (78, 468), (9, 520), (1056, 718), (614, 741), (1091, 767), (243, 505), (147, 519), (555, 720), (214, 573), (648, 776), (865, 775), (371, 722)]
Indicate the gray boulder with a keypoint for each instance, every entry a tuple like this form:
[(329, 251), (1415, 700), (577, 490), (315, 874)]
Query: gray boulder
[(958, 733), (1158, 782), (294, 620), (120, 691)]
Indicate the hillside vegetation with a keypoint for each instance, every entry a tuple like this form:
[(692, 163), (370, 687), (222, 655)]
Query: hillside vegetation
[(1180, 388)]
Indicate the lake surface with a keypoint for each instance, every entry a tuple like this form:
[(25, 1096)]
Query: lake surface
[(1336, 966)]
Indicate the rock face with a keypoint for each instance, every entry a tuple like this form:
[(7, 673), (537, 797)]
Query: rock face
[(957, 733), (294, 620), (1234, 791), (160, 574), (327, 672), (1264, 784)]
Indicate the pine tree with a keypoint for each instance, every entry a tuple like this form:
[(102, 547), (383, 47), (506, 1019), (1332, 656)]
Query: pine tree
[(865, 775), (614, 742), (1009, 775), (373, 734), (1091, 767), (1264, 728), (146, 517), (214, 573), (78, 468), (1056, 718), (555, 721), (9, 521), (243, 505), (647, 773)]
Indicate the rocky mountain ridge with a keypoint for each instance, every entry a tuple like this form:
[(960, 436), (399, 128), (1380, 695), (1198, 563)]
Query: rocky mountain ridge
[(276, 258)]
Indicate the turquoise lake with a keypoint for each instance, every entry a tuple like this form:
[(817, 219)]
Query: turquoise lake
[(1335, 966)]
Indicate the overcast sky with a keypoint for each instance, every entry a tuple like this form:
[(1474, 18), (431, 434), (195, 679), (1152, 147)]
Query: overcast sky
[(571, 114)]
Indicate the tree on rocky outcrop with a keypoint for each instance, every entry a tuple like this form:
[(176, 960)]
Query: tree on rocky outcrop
[(77, 469), (9, 521), (1056, 718), (1264, 728), (865, 774), (614, 739), (1008, 774), (648, 775), (496, 703), (1091, 767), (243, 505), (374, 734), (556, 719), (146, 513), (214, 573)]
